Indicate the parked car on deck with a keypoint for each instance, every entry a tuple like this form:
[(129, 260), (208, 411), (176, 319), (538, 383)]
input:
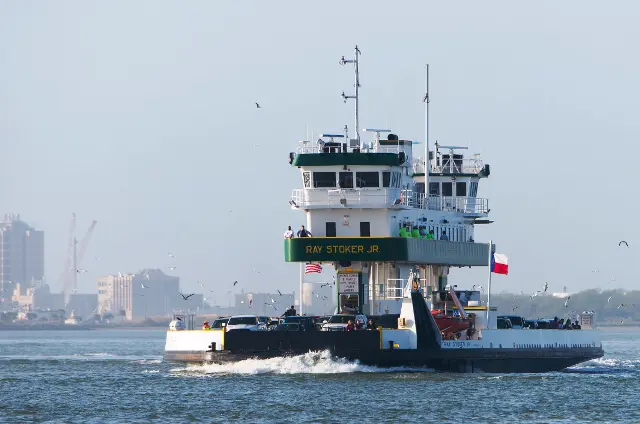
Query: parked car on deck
[(245, 323)]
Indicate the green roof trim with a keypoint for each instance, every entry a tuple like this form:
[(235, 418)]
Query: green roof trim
[(340, 159)]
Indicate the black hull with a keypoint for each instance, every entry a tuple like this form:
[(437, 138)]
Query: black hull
[(448, 360)]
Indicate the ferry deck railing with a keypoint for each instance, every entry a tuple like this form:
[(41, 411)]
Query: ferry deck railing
[(453, 166), (369, 147), (387, 197)]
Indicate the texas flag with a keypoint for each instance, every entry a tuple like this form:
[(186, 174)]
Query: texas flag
[(499, 264)]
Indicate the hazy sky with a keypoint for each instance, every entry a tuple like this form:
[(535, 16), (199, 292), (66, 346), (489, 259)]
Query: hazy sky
[(141, 115)]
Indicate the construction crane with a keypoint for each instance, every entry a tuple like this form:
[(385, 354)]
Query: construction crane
[(66, 274), (77, 256), (69, 276)]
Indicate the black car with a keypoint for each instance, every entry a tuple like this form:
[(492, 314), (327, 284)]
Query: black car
[(291, 326), (308, 323)]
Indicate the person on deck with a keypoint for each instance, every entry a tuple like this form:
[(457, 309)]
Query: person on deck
[(350, 326), (303, 233), (430, 235), (444, 236), (206, 326), (289, 233), (291, 312)]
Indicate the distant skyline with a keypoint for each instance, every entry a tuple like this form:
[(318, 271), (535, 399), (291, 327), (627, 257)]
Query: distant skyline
[(142, 116)]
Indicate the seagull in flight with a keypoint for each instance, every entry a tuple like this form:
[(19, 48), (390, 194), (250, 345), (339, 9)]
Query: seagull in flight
[(143, 286), (171, 255), (480, 287), (625, 243), (279, 292), (257, 105), (566, 304), (534, 295), (546, 286), (187, 296), (235, 282), (81, 271), (172, 268)]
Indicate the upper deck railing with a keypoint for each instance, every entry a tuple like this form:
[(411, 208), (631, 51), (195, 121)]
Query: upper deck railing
[(386, 198), (450, 166), (311, 147)]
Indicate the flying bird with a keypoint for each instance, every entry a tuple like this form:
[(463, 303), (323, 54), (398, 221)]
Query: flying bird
[(625, 243), (187, 296), (546, 286), (257, 105), (609, 300), (143, 286), (514, 308), (566, 304), (480, 287), (235, 282), (534, 295), (279, 292), (170, 255), (81, 271)]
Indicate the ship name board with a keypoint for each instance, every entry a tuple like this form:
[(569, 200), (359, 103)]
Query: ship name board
[(342, 249)]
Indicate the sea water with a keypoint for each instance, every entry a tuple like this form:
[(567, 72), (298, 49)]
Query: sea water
[(118, 376)]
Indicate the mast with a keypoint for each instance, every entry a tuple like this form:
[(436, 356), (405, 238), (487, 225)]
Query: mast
[(489, 284), (426, 136), (344, 61)]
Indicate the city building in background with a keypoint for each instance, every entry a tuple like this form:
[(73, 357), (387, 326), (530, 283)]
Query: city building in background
[(21, 257), (147, 293)]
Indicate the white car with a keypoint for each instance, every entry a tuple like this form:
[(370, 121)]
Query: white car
[(339, 322), (245, 323)]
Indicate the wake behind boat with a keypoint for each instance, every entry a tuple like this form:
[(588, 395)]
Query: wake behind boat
[(393, 226)]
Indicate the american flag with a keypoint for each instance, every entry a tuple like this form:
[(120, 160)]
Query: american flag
[(309, 268)]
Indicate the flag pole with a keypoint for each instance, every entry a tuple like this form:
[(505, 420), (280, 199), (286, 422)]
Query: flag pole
[(489, 285), (300, 294)]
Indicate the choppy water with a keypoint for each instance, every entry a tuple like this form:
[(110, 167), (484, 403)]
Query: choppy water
[(118, 377)]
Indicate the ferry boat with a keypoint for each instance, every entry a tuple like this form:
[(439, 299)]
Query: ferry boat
[(394, 226)]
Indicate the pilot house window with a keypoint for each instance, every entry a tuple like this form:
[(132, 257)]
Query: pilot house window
[(324, 179), (461, 189), (434, 189), (368, 179), (346, 180), (447, 189)]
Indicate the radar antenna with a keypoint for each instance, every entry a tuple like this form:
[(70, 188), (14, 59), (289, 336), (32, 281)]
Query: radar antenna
[(344, 61)]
